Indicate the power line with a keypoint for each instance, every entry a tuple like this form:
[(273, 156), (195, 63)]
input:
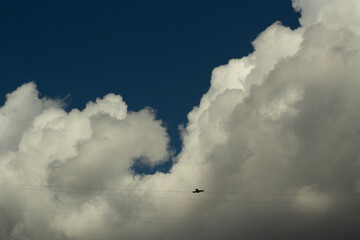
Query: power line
[(138, 197), (288, 193), (93, 188), (147, 218), (7, 233), (176, 191)]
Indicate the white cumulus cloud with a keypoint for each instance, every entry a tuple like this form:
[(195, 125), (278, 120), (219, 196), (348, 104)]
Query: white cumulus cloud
[(274, 143)]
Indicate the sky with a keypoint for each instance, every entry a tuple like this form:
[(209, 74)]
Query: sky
[(254, 103), (153, 53)]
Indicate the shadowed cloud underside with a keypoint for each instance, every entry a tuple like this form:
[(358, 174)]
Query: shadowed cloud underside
[(274, 143)]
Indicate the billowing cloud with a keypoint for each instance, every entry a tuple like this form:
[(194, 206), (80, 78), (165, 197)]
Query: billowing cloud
[(274, 142)]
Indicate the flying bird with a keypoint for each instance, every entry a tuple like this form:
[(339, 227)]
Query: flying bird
[(198, 191)]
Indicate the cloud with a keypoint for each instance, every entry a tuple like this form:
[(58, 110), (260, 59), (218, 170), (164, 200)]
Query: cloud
[(44, 145), (274, 142), (17, 114)]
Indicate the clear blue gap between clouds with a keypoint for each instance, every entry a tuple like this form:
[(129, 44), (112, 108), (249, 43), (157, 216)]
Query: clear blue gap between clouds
[(158, 54)]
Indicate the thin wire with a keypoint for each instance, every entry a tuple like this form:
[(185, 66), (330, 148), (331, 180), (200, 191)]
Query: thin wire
[(138, 197), (180, 219), (7, 233), (91, 188), (181, 191), (287, 193)]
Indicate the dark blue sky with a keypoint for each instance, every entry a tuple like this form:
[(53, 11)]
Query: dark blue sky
[(153, 53)]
